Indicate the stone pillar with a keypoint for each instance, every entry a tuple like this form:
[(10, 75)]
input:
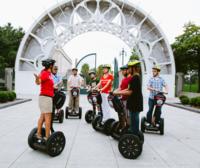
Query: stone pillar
[(179, 83), (8, 78)]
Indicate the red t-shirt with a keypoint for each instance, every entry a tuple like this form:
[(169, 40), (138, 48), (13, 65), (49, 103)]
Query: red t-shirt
[(104, 81), (47, 84), (124, 85)]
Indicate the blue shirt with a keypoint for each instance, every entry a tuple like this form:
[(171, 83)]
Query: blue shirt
[(57, 79), (156, 83)]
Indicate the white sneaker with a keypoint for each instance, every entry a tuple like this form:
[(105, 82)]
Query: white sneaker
[(158, 125), (147, 124)]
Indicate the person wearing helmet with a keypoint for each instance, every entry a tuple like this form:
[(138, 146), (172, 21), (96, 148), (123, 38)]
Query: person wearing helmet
[(45, 80), (155, 85), (135, 97), (124, 85), (74, 81), (93, 80), (105, 87)]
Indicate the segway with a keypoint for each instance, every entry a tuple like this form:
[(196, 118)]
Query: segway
[(121, 126), (130, 145), (53, 146), (59, 99), (94, 98), (97, 124), (159, 100), (75, 93)]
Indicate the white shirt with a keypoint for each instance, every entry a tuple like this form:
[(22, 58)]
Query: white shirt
[(75, 81)]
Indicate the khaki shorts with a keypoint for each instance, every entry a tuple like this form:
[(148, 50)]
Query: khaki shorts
[(45, 104)]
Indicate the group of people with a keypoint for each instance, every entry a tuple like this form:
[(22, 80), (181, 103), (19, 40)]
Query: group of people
[(130, 90)]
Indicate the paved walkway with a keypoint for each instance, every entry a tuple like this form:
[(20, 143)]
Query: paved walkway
[(85, 148)]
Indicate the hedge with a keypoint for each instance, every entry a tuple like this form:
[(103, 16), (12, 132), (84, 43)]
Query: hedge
[(6, 96), (195, 101)]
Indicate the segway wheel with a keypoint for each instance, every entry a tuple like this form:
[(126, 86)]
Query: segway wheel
[(89, 116), (61, 116), (162, 126), (80, 112), (66, 113), (107, 126), (31, 137), (114, 129), (95, 122), (143, 124), (56, 144), (141, 137), (130, 146)]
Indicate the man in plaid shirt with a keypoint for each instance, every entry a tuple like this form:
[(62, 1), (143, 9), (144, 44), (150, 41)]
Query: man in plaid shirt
[(155, 85)]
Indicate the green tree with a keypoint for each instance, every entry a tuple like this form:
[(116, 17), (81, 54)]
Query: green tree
[(84, 71), (99, 71), (186, 50), (134, 55), (10, 39)]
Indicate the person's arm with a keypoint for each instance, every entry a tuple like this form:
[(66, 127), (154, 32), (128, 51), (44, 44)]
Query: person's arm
[(149, 86), (69, 83), (37, 79), (99, 85), (125, 92)]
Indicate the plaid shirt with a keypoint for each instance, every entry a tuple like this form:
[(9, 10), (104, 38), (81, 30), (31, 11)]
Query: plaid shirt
[(156, 83)]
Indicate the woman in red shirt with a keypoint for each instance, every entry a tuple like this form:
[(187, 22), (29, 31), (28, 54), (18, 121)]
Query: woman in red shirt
[(105, 87), (45, 80)]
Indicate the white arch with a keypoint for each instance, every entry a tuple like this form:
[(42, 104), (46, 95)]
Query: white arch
[(66, 20)]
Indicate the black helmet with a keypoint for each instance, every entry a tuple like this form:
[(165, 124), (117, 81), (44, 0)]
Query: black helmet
[(48, 62), (74, 69), (92, 72), (124, 67)]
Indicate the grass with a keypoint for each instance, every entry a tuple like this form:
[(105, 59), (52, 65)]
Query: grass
[(194, 88)]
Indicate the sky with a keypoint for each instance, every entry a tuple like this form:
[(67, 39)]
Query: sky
[(171, 15)]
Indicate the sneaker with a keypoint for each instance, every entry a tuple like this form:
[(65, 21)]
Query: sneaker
[(147, 124), (157, 125)]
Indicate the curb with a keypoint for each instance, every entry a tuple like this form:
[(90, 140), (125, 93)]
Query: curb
[(15, 103), (184, 107)]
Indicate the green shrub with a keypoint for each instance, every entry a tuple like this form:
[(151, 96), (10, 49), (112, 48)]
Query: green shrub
[(182, 96), (198, 101), (3, 97), (185, 100), (11, 96), (7, 96), (193, 101)]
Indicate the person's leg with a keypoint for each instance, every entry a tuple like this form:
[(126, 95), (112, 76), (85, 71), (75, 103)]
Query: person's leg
[(40, 123), (105, 107), (134, 122), (77, 103), (70, 105), (48, 117), (126, 113), (149, 113)]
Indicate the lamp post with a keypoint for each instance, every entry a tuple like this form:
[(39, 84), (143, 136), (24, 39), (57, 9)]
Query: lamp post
[(123, 54)]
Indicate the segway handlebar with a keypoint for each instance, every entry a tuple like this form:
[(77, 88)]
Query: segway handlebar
[(158, 91)]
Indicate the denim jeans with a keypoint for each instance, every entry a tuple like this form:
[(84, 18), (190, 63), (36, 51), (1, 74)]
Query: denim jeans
[(157, 112), (134, 122)]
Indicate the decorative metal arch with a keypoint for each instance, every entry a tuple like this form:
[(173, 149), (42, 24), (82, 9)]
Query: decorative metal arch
[(66, 20)]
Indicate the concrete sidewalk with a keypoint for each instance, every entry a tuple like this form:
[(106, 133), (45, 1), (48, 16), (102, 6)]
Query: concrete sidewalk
[(85, 148)]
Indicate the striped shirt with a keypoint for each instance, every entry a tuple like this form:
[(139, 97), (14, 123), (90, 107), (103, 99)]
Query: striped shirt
[(156, 83)]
